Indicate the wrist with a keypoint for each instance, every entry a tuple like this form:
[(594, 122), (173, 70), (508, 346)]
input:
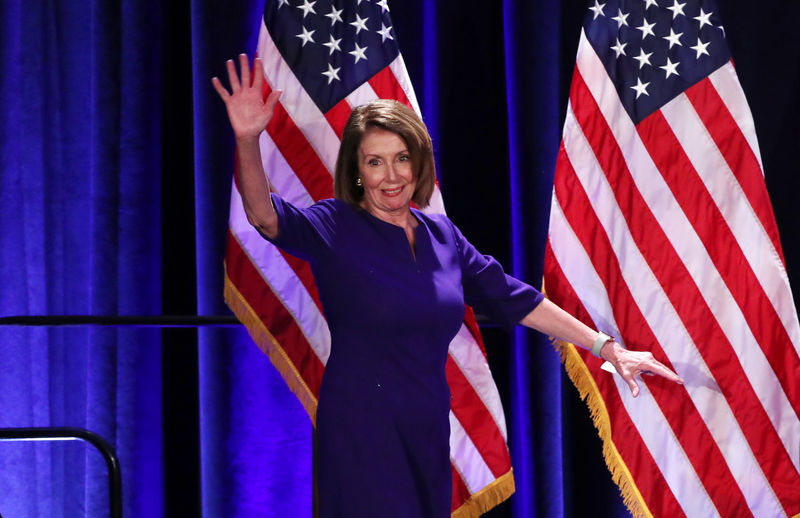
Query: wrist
[(247, 140), (600, 343)]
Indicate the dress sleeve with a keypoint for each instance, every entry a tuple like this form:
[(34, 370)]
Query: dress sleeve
[(489, 290), (305, 233)]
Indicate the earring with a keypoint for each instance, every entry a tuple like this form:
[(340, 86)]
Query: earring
[(358, 182)]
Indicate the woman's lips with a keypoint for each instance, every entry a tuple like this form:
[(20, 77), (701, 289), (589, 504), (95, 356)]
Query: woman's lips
[(392, 192)]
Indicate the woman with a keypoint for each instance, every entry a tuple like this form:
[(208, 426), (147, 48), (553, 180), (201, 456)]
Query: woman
[(393, 282)]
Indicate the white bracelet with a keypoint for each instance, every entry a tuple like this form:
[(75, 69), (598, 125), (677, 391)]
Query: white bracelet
[(597, 346)]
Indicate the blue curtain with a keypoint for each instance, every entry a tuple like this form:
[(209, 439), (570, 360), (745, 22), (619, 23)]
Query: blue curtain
[(80, 148), (115, 171)]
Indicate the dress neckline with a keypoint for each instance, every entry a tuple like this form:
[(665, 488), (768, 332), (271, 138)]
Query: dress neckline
[(415, 213)]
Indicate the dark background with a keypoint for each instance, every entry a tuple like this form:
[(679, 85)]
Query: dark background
[(111, 130)]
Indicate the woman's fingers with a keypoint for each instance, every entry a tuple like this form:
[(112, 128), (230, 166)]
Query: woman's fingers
[(258, 74), (244, 67), (272, 100), (631, 364), (656, 367), (233, 77), (633, 386), (223, 93)]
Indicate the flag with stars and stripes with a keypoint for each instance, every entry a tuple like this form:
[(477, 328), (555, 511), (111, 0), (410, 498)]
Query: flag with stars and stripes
[(662, 234), (328, 57)]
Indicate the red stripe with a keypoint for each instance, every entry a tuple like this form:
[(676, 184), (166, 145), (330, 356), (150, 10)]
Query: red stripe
[(684, 419), (475, 331), (643, 468), (298, 153), (758, 311), (476, 420), (386, 86), (337, 117), (725, 252), (303, 272), (271, 311), (682, 292), (733, 145)]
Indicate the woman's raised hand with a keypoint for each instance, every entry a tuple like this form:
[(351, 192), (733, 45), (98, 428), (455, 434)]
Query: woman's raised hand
[(248, 112)]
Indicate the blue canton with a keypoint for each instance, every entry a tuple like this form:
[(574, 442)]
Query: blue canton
[(654, 50), (332, 46)]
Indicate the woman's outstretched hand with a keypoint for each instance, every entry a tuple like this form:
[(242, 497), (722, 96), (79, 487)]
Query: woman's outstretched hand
[(248, 112), (630, 364)]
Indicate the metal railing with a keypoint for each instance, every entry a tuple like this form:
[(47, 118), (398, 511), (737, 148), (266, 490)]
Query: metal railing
[(77, 434), (69, 433)]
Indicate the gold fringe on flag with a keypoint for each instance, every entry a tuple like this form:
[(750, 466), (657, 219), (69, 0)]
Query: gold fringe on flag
[(589, 392), (488, 497), (267, 343)]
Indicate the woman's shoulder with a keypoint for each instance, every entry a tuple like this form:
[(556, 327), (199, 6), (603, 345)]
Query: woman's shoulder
[(438, 224), (326, 206)]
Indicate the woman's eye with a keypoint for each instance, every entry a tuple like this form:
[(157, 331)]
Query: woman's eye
[(404, 158), (374, 161)]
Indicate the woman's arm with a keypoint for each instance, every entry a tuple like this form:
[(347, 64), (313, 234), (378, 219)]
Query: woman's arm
[(249, 115), (554, 321)]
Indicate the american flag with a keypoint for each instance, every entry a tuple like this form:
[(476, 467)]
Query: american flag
[(662, 234), (329, 57)]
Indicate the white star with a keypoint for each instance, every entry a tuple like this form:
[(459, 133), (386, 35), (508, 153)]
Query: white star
[(333, 44), (598, 9), (281, 3), (647, 29), (358, 53), (307, 7), (700, 48), (335, 15), (670, 68), (643, 59), (383, 4), (332, 73), (649, 3), (619, 48), (703, 18), (306, 36), (640, 88), (673, 39), (359, 24), (384, 32), (722, 29), (621, 19), (677, 8)]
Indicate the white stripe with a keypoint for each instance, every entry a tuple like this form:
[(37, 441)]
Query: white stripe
[(694, 255), (667, 326), (652, 301), (436, 203), (727, 85), (281, 279), (398, 68), (282, 179), (644, 412), (298, 104), (467, 459), (469, 358), (361, 95), (732, 202)]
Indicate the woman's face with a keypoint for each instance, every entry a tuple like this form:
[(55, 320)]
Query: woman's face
[(387, 175)]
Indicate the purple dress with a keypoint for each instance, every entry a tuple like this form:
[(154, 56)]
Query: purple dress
[(382, 419)]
